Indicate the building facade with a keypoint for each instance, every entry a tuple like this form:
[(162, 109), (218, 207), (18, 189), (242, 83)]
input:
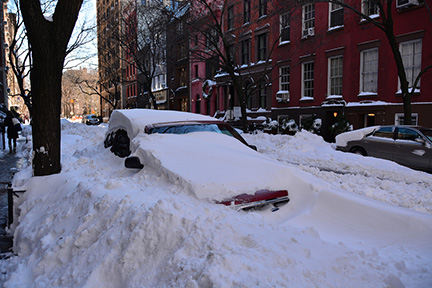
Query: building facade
[(326, 61), (178, 61), (112, 83), (336, 62)]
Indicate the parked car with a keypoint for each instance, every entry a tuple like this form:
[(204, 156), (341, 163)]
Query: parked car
[(201, 153), (410, 146), (91, 120)]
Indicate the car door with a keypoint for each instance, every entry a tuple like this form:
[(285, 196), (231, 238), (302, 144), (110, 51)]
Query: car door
[(381, 143), (410, 149)]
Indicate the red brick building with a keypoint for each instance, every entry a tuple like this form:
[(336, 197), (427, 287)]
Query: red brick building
[(323, 60)]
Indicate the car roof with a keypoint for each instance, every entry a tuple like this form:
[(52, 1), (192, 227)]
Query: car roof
[(135, 120)]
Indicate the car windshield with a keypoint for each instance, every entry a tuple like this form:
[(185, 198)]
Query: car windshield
[(427, 133), (189, 128)]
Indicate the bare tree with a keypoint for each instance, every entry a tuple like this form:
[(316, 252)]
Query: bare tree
[(19, 54), (48, 38), (216, 36)]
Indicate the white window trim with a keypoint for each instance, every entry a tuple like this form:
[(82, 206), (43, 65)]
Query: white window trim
[(399, 115), (330, 14), (362, 92), (304, 21), (281, 42), (280, 77), (303, 97), (421, 53), (329, 75)]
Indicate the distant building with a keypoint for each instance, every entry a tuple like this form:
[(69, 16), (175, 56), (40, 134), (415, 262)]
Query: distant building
[(178, 73), (112, 83)]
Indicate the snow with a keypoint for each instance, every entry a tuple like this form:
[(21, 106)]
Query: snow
[(343, 139), (352, 222)]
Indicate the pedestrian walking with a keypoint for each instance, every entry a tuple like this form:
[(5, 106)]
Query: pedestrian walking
[(13, 126)]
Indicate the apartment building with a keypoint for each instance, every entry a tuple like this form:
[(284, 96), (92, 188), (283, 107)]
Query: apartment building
[(322, 60)]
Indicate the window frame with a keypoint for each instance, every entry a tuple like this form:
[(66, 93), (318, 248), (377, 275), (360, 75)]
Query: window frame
[(307, 80), (262, 8), (284, 84), (412, 71), (308, 19), (246, 11), (284, 26), (261, 47), (245, 53), (335, 9), (230, 17), (331, 86), (364, 73), (262, 95), (400, 116), (368, 6)]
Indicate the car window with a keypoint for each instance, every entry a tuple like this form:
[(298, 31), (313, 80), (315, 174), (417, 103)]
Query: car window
[(427, 133), (189, 128), (385, 132), (407, 134)]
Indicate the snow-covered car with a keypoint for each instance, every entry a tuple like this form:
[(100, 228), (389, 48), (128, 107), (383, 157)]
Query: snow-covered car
[(205, 156), (91, 120), (410, 146)]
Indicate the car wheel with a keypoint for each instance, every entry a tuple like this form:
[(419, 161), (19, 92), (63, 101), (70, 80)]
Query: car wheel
[(359, 151)]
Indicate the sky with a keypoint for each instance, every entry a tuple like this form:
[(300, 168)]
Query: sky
[(352, 221)]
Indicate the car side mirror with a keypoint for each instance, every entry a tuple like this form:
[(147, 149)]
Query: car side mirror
[(133, 162), (420, 140)]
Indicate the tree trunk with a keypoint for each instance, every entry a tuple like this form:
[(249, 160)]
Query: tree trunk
[(48, 40), (46, 89)]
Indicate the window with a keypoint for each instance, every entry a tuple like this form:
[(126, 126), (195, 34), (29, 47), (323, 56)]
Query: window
[(230, 17), (411, 57), (263, 95), (335, 75), (308, 80), (384, 132), (399, 119), (246, 11), (370, 7), (308, 20), (248, 95), (232, 54), (262, 8), (285, 27), (245, 50), (196, 71), (211, 39), (262, 47), (369, 71), (336, 18), (284, 78), (407, 134)]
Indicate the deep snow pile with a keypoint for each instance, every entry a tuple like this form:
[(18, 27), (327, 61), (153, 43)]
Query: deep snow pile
[(98, 224)]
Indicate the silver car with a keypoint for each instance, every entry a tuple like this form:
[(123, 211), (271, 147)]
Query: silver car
[(410, 146)]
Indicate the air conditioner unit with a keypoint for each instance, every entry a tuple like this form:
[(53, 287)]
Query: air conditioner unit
[(308, 32), (283, 97), (406, 3)]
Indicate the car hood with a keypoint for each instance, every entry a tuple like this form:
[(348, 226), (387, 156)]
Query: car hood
[(210, 165)]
